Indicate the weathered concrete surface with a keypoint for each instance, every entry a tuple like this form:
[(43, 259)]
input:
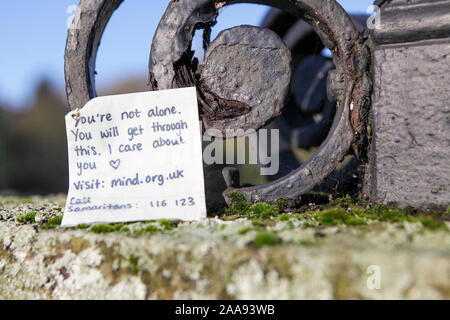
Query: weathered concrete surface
[(411, 124), (216, 259)]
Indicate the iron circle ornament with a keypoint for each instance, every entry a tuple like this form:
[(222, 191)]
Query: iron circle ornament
[(349, 83)]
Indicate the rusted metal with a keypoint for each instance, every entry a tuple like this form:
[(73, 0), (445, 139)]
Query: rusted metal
[(308, 94), (350, 55), (172, 64), (81, 49), (244, 80)]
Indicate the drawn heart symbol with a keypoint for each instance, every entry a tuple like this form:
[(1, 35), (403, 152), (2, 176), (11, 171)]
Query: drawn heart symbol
[(115, 163)]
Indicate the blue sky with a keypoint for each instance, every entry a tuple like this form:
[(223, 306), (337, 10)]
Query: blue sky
[(33, 35)]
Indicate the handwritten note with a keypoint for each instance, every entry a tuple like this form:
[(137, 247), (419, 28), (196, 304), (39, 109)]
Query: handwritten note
[(135, 157)]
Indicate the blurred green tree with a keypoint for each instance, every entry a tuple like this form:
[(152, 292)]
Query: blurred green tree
[(35, 154)]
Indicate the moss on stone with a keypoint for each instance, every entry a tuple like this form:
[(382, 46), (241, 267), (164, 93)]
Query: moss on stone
[(101, 228), (228, 218), (246, 230), (238, 206), (9, 200), (257, 223), (310, 243), (363, 214), (334, 217), (107, 228), (354, 221), (431, 224), (167, 224), (56, 221), (387, 214), (27, 218), (428, 221), (266, 238), (259, 210), (344, 202), (209, 262), (133, 263), (25, 200), (149, 229), (282, 205), (285, 217), (330, 217), (53, 223), (262, 211)]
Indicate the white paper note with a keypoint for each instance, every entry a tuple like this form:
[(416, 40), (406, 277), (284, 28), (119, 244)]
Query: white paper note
[(135, 157)]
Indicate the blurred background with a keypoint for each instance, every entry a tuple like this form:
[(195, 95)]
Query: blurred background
[(33, 155)]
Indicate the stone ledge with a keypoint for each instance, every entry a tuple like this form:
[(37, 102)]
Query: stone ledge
[(209, 261), (274, 258)]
